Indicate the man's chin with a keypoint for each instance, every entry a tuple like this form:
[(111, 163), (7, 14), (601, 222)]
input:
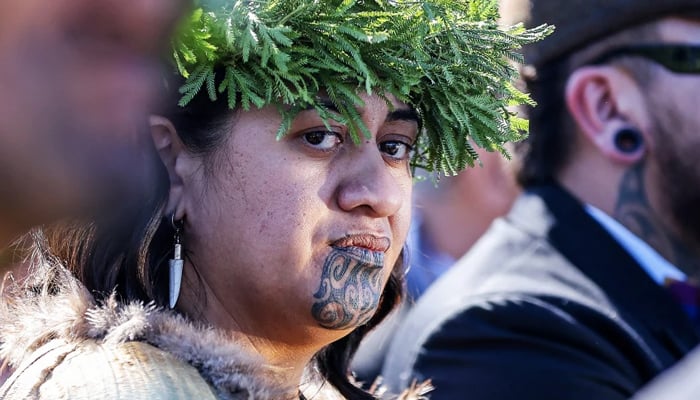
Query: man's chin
[(688, 222)]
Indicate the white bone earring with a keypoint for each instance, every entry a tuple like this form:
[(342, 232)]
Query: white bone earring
[(175, 263)]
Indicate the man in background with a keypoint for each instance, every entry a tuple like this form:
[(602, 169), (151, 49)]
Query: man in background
[(77, 81), (578, 292)]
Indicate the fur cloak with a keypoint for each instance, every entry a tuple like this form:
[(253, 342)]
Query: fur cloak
[(62, 344)]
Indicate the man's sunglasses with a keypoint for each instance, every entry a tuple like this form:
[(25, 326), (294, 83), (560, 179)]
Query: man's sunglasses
[(680, 58)]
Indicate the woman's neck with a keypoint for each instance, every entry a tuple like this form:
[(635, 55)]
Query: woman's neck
[(273, 344)]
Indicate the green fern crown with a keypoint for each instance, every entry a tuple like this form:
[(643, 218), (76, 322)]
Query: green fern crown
[(447, 58)]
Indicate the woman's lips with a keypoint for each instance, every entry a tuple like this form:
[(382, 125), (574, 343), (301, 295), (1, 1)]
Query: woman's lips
[(366, 249), (373, 243)]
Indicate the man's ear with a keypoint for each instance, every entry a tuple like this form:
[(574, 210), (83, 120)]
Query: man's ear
[(175, 159), (603, 101)]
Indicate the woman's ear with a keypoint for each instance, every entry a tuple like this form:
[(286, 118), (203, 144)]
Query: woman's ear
[(173, 156), (603, 101)]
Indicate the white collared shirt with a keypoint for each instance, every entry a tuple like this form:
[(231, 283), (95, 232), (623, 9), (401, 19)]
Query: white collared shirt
[(651, 261)]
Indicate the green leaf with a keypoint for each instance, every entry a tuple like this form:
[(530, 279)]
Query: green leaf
[(449, 59)]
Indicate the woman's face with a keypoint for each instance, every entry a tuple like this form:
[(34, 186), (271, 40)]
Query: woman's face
[(299, 235)]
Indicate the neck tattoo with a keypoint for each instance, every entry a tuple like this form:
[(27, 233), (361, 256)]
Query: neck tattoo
[(634, 211), (351, 285)]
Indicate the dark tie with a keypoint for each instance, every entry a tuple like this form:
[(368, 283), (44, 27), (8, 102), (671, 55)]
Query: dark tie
[(687, 295)]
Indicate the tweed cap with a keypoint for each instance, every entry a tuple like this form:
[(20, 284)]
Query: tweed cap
[(579, 22)]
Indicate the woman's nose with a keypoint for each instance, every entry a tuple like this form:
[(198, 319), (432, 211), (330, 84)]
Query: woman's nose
[(372, 185)]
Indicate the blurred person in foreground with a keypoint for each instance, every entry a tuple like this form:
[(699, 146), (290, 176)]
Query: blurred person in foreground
[(451, 215), (577, 292), (77, 78), (677, 383)]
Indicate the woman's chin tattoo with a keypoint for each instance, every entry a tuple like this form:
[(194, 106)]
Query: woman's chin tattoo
[(351, 285)]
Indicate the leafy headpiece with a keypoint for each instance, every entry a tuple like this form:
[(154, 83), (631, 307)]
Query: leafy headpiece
[(447, 58)]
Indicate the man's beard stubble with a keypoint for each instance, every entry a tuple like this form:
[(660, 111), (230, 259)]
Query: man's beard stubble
[(680, 174)]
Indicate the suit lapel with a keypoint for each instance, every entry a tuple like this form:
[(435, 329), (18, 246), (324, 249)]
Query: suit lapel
[(588, 246)]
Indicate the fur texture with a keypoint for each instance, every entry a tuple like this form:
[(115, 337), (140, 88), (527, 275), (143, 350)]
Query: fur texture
[(56, 306), (68, 312)]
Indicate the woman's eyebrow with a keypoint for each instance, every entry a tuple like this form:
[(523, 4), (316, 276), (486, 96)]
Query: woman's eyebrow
[(325, 103), (401, 114), (404, 114)]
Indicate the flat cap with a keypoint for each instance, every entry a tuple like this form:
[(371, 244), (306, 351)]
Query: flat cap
[(579, 22)]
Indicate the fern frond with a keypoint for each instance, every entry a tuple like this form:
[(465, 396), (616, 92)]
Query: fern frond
[(447, 58)]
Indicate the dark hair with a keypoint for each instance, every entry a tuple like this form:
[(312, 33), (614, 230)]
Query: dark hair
[(552, 138), (127, 252), (550, 141)]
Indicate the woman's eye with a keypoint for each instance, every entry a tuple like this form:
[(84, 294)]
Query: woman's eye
[(396, 149), (323, 140)]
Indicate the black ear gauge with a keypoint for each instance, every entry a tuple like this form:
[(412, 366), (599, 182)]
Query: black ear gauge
[(628, 140)]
